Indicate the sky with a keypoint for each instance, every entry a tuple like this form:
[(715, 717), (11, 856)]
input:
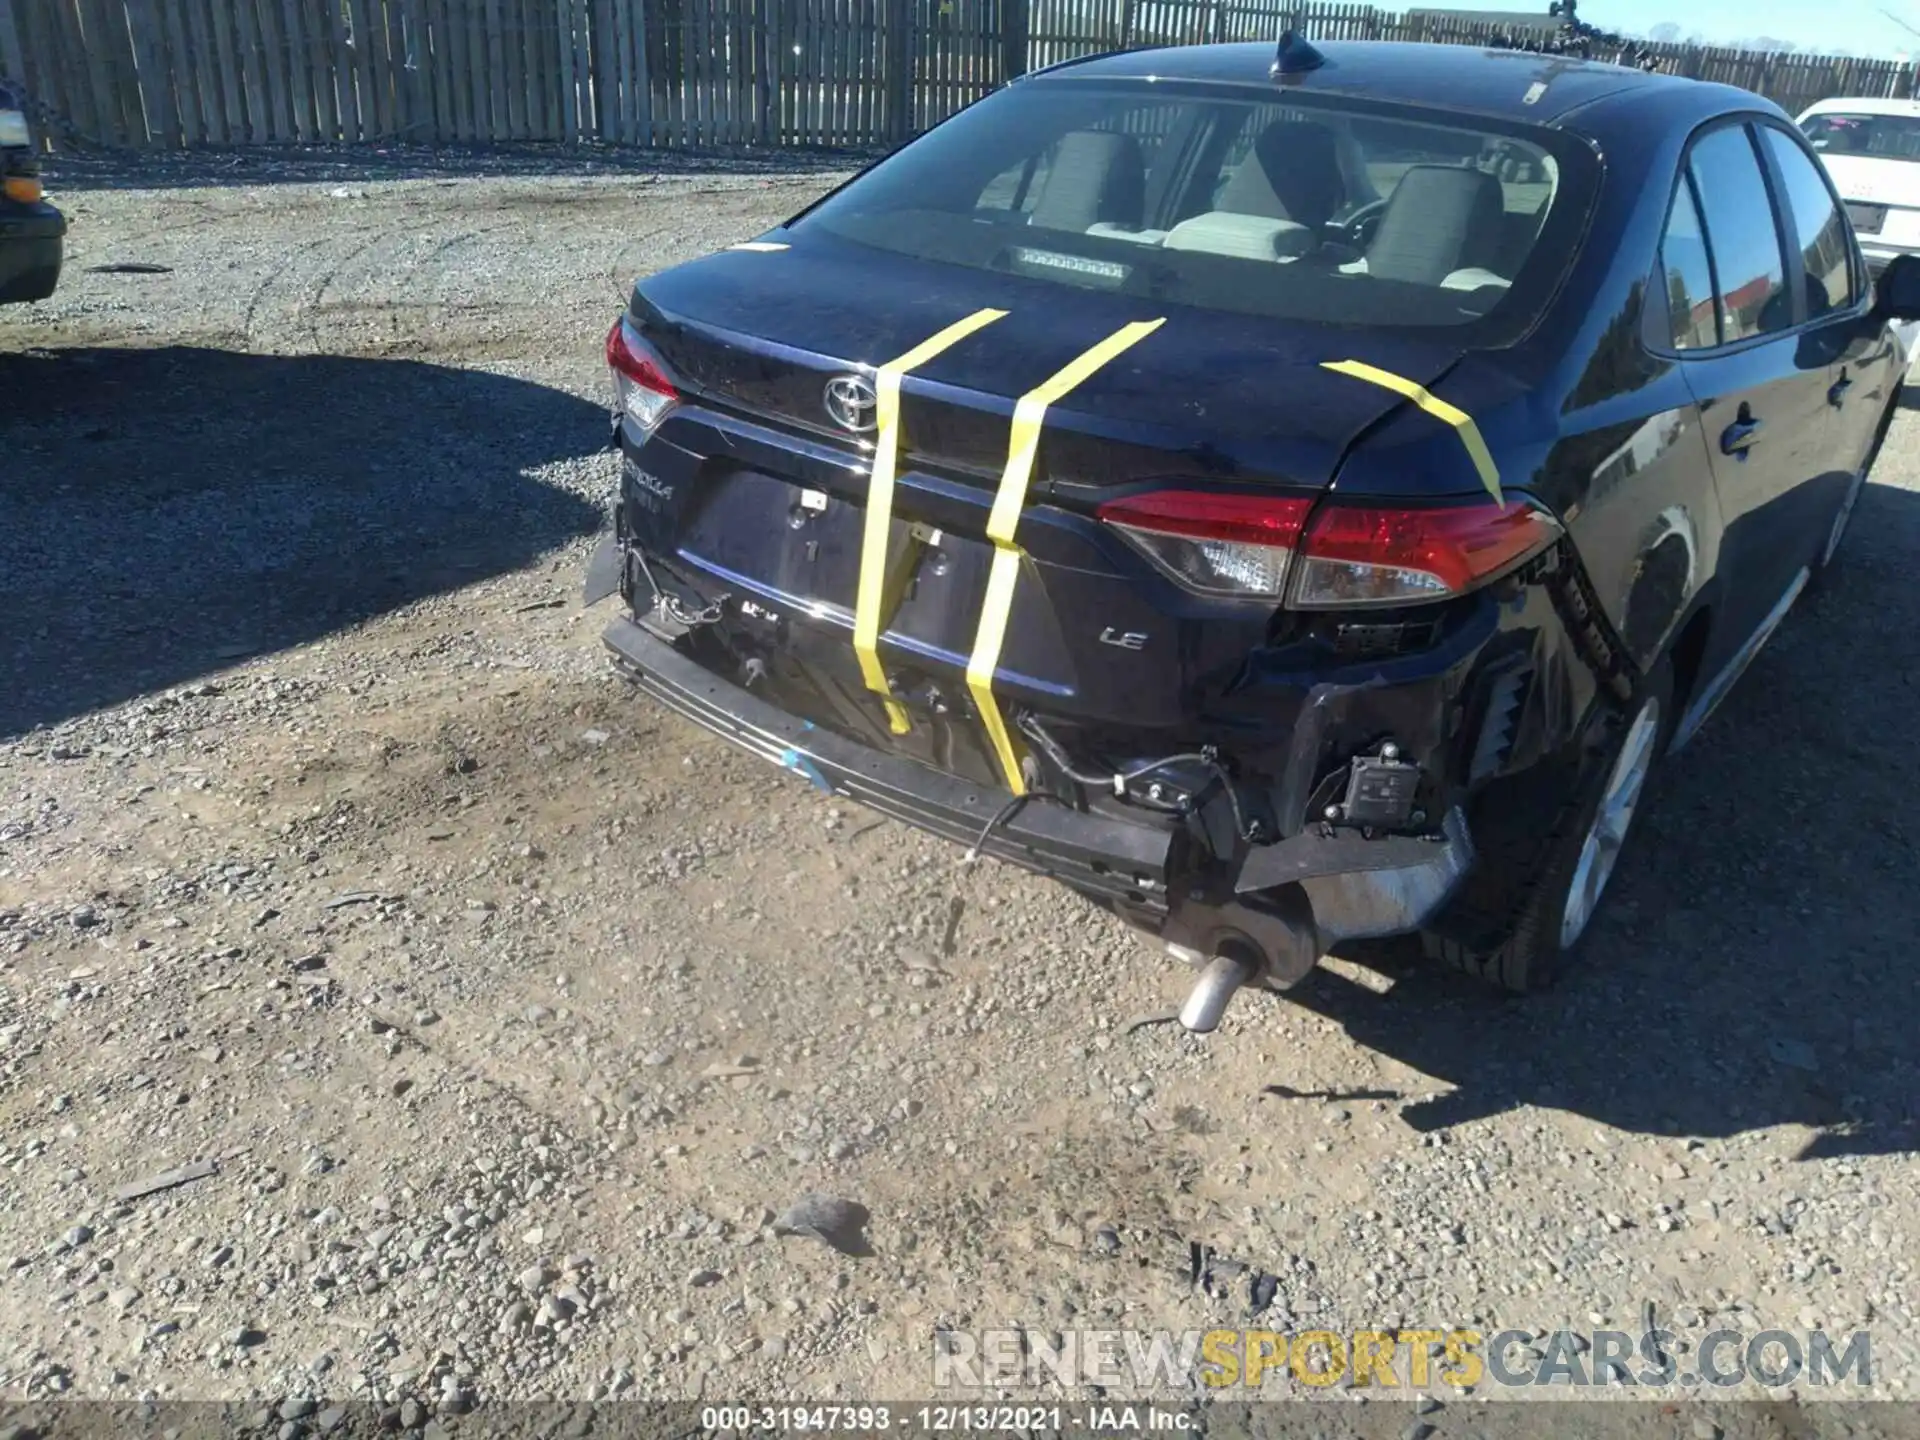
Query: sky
[(1853, 26)]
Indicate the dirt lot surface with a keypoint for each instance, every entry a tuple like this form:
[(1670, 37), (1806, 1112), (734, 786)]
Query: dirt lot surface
[(513, 1011)]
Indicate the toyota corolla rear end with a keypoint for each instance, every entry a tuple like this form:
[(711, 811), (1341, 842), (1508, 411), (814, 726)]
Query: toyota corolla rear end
[(1112, 518)]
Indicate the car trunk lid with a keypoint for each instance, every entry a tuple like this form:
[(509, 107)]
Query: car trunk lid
[(767, 510), (1239, 397)]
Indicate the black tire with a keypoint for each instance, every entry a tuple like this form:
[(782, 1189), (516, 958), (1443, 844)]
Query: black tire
[(1506, 926)]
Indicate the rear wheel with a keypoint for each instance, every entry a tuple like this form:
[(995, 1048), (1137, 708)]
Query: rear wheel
[(1533, 899)]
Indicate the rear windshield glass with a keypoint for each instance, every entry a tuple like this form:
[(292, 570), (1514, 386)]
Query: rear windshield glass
[(1238, 201), (1878, 137)]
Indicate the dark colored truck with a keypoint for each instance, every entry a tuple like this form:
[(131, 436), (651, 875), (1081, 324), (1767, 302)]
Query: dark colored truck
[(32, 232)]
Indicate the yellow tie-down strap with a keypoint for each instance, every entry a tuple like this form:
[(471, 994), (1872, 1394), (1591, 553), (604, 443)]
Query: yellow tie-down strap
[(870, 594), (1440, 410), (1028, 416)]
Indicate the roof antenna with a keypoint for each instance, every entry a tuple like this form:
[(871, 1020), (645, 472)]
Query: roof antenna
[(1295, 55)]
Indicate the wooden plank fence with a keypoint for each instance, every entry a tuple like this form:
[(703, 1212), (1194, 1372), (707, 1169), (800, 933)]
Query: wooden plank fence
[(844, 73)]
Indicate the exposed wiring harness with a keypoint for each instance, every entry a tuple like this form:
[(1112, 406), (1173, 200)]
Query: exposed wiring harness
[(676, 610), (1118, 781), (1000, 817)]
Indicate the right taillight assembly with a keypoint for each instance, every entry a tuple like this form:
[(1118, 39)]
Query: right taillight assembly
[(642, 391), (1356, 555), (1330, 555)]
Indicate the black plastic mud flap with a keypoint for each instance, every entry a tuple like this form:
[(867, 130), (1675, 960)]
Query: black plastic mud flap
[(604, 571)]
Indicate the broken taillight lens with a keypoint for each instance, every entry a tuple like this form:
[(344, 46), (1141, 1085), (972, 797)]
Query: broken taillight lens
[(1329, 556), (642, 391)]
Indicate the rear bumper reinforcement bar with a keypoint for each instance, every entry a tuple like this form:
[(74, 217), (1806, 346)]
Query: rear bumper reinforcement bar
[(1356, 890), (1124, 862)]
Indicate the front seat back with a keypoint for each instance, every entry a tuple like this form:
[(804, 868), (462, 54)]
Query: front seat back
[(1440, 219), (1291, 173), (1096, 178)]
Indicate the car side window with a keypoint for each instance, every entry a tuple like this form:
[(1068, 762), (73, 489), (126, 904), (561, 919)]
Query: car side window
[(1689, 275), (1818, 225), (1738, 213)]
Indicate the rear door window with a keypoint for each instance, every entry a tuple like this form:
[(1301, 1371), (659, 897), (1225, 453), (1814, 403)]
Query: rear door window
[(1738, 210), (1691, 304), (1818, 224)]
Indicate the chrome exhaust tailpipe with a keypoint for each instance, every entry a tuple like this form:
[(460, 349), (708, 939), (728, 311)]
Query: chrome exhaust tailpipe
[(1215, 988), (1236, 941)]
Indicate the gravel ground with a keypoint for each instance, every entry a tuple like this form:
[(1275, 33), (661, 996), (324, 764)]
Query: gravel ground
[(514, 1011)]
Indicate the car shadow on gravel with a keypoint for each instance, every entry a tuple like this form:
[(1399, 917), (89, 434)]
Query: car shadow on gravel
[(1754, 966), (169, 512)]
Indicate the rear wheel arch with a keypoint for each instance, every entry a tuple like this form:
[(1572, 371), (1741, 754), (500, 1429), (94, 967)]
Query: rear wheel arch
[(1507, 924), (1670, 572)]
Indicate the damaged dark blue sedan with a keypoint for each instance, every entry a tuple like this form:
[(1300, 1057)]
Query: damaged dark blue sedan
[(1290, 497)]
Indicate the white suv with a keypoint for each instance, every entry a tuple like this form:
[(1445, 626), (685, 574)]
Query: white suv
[(1871, 148)]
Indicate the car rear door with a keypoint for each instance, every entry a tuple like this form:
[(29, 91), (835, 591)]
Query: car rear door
[(1760, 379), (1865, 357)]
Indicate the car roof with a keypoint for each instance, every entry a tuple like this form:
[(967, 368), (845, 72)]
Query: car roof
[(1454, 77), (1863, 105)]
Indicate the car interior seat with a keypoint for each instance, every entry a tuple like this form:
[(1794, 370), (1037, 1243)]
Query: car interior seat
[(1277, 202), (1096, 183), (1444, 225)]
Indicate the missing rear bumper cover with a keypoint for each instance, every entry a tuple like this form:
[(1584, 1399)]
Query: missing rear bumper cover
[(1286, 905), (1126, 863)]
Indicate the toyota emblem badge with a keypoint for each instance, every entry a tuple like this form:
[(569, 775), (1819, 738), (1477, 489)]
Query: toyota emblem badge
[(851, 403)]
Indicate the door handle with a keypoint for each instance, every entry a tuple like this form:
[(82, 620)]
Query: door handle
[(1838, 394), (1738, 438)]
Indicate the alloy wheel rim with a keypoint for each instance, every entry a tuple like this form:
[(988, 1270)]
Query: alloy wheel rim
[(1607, 833), (1839, 530)]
